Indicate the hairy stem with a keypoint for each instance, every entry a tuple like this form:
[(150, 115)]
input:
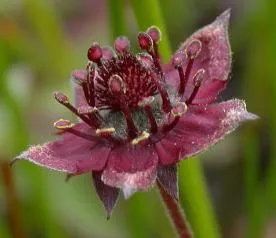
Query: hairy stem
[(176, 214)]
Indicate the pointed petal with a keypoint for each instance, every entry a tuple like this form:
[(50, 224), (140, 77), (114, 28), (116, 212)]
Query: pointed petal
[(131, 168), (214, 58), (69, 153), (167, 151), (203, 126), (167, 177), (108, 195)]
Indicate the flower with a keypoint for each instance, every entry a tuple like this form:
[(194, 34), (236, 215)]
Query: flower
[(140, 117)]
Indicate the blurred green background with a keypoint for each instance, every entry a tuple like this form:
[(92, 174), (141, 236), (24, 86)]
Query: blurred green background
[(43, 41)]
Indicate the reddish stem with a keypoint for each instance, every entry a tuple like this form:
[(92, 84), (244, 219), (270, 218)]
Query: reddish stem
[(176, 214), (13, 205)]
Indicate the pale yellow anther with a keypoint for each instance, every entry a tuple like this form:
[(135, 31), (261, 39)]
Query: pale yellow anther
[(85, 110), (107, 130), (145, 135), (179, 109), (146, 101), (62, 124)]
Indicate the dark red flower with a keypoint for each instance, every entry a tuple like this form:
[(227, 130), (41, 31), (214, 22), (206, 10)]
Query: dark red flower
[(139, 117)]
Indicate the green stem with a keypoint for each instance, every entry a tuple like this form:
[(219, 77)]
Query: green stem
[(196, 199), (148, 13)]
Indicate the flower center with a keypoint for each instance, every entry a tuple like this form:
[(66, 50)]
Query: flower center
[(122, 82), (127, 95)]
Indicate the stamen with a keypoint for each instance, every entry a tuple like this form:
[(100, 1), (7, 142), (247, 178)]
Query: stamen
[(145, 59), (62, 124), (116, 84), (105, 131), (146, 104), (79, 76), (90, 91), (131, 128), (63, 99), (178, 61), (66, 125), (85, 110), (155, 34), (145, 42), (197, 79), (194, 48), (107, 53), (144, 136), (179, 109), (166, 104), (121, 45), (95, 53)]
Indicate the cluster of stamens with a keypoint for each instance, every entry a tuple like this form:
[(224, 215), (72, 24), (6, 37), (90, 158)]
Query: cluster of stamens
[(126, 83)]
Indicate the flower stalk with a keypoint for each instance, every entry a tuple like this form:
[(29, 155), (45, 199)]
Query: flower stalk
[(176, 214)]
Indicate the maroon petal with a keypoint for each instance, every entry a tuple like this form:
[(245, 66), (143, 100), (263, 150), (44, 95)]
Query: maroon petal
[(108, 195), (131, 168), (214, 58), (69, 153), (201, 127), (167, 177)]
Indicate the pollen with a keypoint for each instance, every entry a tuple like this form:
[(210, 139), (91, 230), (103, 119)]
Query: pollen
[(144, 136)]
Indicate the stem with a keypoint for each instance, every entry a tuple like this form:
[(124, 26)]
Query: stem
[(12, 201), (176, 214)]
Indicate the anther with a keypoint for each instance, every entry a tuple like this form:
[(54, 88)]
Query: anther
[(105, 131), (61, 98), (107, 53), (198, 77), (178, 60), (166, 104), (146, 101), (79, 76), (144, 136), (145, 41), (63, 124), (155, 34), (85, 110), (116, 84), (131, 128), (197, 80), (179, 109), (121, 44), (145, 59), (95, 53), (194, 48)]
